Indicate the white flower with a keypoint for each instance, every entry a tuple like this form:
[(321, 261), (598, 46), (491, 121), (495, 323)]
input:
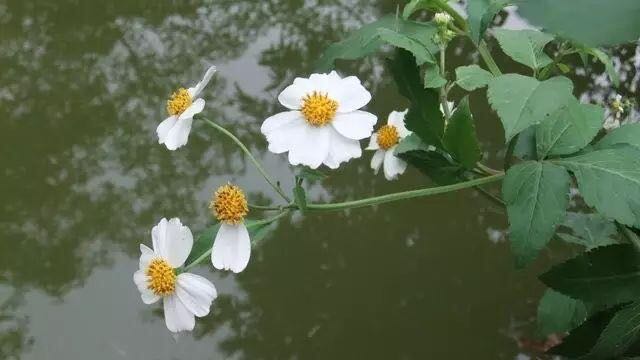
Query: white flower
[(611, 123), (174, 131), (185, 295), (324, 124), (231, 246), (385, 141), (442, 18)]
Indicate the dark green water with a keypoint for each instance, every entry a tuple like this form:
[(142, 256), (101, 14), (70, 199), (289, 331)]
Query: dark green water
[(82, 88)]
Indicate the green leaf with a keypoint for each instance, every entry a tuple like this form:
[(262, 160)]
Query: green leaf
[(311, 174), (608, 65), (369, 38), (558, 313), (604, 275), (428, 160), (609, 180), (481, 14), (626, 134), (590, 230), (418, 49), (525, 46), (424, 117), (564, 68), (525, 147), (460, 137), (619, 335), (590, 22), (472, 77), (416, 5), (523, 101), (569, 129), (432, 77), (536, 194), (300, 197)]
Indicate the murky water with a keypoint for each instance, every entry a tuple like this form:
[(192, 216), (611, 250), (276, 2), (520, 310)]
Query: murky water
[(82, 88)]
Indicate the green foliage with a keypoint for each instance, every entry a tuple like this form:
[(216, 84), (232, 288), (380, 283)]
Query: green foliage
[(604, 58), (604, 275), (523, 101), (536, 194), (609, 180), (460, 137), (414, 36), (432, 77), (569, 129), (472, 77), (300, 196), (590, 22), (619, 335), (309, 174), (431, 162), (589, 230), (525, 146), (481, 14), (626, 134), (525, 46), (558, 313)]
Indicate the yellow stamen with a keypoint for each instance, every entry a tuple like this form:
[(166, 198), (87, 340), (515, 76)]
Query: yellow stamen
[(318, 109), (179, 102), (162, 277), (229, 204), (387, 137)]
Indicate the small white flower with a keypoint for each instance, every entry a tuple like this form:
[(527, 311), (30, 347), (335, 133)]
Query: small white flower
[(611, 123), (231, 246), (442, 18), (174, 131), (186, 295), (324, 125), (385, 141)]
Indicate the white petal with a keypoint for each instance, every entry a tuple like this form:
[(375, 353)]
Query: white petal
[(146, 255), (179, 134), (163, 129), (280, 120), (393, 166), (195, 91), (291, 97), (158, 236), (341, 149), (311, 148), (231, 248), (355, 125), (172, 241), (195, 108), (177, 316), (196, 293), (373, 142), (140, 279), (350, 94), (284, 138), (376, 160)]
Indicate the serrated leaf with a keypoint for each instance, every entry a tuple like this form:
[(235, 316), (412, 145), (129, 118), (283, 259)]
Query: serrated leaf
[(523, 101), (590, 22), (609, 180), (626, 134), (416, 5), (569, 129), (536, 194), (621, 332), (417, 48), (525, 46), (589, 230), (481, 14), (428, 160), (460, 137), (432, 77), (558, 313), (472, 77), (604, 275)]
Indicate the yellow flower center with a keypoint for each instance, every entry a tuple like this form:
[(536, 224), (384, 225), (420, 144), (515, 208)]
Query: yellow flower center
[(179, 102), (387, 136), (162, 277), (318, 109), (229, 204)]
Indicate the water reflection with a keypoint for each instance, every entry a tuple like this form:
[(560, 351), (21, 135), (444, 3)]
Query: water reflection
[(83, 180)]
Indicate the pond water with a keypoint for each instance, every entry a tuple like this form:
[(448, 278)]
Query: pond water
[(82, 88)]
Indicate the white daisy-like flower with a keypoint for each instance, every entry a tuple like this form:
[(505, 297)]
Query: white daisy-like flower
[(324, 124), (174, 131), (384, 142), (232, 246), (186, 295)]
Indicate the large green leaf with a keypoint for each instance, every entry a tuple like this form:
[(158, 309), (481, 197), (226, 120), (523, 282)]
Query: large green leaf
[(609, 180), (536, 194), (431, 162), (591, 22), (460, 137), (416, 36), (525, 46), (626, 134), (472, 77), (481, 14), (604, 275), (432, 77), (619, 335), (589, 230), (424, 117), (558, 313), (523, 101), (525, 146), (569, 129)]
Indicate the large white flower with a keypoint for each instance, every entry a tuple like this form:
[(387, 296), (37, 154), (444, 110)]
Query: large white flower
[(186, 295), (324, 124), (231, 246), (174, 131), (385, 141)]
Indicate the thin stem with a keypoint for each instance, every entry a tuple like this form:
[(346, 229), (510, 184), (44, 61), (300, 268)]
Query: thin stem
[(490, 196), (255, 162), (488, 59), (403, 195), (443, 89), (487, 170), (263, 207)]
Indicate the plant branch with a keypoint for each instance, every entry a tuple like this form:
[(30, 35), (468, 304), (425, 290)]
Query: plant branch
[(488, 59)]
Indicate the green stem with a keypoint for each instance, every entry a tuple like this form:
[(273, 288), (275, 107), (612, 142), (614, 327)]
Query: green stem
[(488, 59), (487, 170), (403, 195), (255, 162), (443, 89), (263, 207)]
